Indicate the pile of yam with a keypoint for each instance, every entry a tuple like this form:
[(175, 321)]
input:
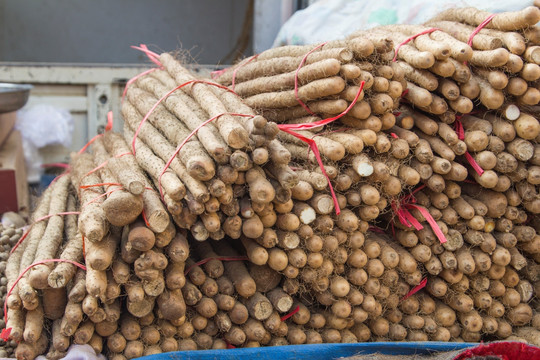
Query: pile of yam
[(204, 225)]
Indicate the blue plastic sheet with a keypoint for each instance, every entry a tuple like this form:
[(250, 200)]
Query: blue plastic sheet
[(314, 352)]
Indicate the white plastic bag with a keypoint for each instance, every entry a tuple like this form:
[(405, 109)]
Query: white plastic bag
[(335, 19), (42, 125), (45, 125), (33, 160)]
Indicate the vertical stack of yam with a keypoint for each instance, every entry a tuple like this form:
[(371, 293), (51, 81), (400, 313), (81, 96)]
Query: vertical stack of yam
[(485, 270), (323, 256), (479, 272)]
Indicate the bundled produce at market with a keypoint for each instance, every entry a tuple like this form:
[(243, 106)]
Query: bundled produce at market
[(476, 163), (383, 187), (9, 236)]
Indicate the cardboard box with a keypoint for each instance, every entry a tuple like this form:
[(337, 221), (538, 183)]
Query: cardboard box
[(14, 195), (7, 122)]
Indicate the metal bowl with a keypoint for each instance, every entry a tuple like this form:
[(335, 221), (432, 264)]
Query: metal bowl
[(13, 96)]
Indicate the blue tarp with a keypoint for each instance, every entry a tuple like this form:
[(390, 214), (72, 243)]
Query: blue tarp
[(314, 352)]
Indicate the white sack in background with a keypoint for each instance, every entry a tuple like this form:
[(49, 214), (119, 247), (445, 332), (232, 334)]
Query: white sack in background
[(335, 19)]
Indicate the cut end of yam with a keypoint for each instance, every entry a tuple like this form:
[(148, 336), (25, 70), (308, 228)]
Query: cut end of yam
[(307, 216), (364, 169)]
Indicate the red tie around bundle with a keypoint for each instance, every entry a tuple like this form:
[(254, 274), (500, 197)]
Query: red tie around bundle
[(461, 135), (23, 237), (288, 128), (166, 96), (289, 315), (428, 31), (154, 57), (415, 289), (477, 30), (7, 332), (408, 202), (296, 78), (243, 63)]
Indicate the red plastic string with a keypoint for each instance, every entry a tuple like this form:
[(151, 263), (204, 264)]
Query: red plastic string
[(415, 289), (405, 92), (315, 149), (99, 167), (296, 78), (123, 154), (90, 143), (217, 73), (323, 133), (83, 246), (154, 57), (285, 317), (408, 202), (411, 219), (100, 184), (59, 165), (394, 135), (222, 258), (8, 331), (135, 78), (376, 229), (243, 63), (474, 164), (109, 125), (434, 226), (288, 128), (461, 135), (229, 345), (145, 219), (166, 96), (478, 28), (428, 31), (59, 176), (4, 335), (38, 220), (105, 194), (181, 145), (89, 173), (404, 216), (458, 126)]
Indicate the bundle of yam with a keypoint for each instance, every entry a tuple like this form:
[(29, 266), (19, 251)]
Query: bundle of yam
[(210, 223), (10, 233), (469, 116)]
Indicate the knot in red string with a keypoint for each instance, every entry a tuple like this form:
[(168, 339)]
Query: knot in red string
[(288, 128), (408, 202)]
